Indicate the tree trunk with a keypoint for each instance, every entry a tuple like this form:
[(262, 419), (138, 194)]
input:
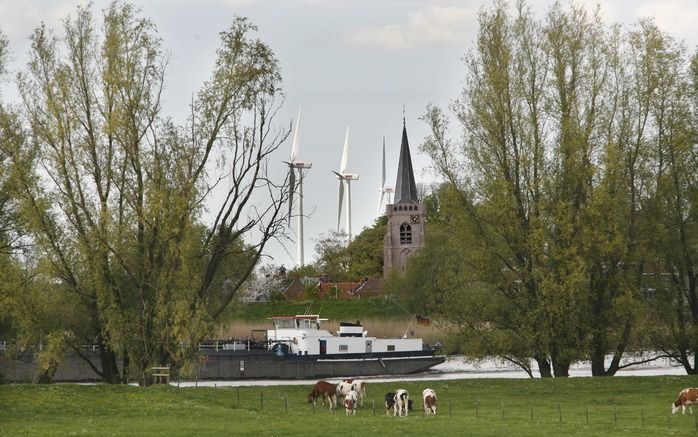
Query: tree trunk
[(561, 368), (110, 370), (544, 367), (597, 355), (45, 375), (124, 370)]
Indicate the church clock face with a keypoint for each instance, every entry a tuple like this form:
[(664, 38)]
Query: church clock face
[(414, 219)]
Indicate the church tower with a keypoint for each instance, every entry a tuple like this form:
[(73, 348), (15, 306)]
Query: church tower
[(405, 233)]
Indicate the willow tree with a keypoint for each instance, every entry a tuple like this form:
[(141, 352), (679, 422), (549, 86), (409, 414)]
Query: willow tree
[(674, 213), (560, 118), (498, 177), (117, 192)]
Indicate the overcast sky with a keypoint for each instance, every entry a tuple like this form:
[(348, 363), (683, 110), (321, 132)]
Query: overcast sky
[(347, 62)]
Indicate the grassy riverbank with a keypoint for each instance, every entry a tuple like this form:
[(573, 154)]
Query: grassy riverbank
[(637, 406), (368, 308)]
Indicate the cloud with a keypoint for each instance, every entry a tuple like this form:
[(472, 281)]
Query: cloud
[(435, 25)]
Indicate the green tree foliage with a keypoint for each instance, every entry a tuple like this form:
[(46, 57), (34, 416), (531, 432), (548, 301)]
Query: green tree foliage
[(115, 211), (361, 259), (559, 194)]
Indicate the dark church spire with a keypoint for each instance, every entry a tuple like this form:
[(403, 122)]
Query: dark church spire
[(405, 187)]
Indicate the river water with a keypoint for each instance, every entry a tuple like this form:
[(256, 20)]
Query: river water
[(457, 367)]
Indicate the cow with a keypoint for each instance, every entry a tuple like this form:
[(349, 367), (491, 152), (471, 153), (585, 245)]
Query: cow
[(389, 402), (401, 402), (326, 390), (358, 385), (350, 402), (687, 397), (429, 399)]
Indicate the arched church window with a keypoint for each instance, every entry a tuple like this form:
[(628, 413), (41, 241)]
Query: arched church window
[(405, 234)]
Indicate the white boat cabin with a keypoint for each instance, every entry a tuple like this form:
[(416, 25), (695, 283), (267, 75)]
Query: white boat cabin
[(303, 336)]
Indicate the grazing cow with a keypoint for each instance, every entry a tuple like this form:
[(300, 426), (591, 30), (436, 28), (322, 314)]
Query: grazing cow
[(429, 398), (358, 385), (326, 390), (350, 402), (389, 402), (401, 402), (687, 398)]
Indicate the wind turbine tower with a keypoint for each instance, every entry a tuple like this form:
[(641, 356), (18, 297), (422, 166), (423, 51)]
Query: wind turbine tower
[(383, 190), (299, 166), (345, 178)]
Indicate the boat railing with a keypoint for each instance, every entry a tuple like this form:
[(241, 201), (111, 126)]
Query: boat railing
[(231, 345)]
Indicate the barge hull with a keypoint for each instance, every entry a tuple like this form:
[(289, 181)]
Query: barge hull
[(262, 367), (238, 366)]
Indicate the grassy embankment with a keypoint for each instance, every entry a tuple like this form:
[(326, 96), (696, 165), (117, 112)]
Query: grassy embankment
[(637, 406), (380, 317)]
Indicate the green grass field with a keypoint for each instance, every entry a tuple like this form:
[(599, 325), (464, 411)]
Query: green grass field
[(637, 406)]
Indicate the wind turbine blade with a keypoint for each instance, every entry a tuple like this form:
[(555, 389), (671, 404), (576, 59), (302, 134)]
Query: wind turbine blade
[(345, 153), (291, 191), (294, 148), (341, 201), (383, 176), (380, 201)]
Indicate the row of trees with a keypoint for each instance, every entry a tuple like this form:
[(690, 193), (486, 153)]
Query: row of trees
[(101, 196), (572, 196)]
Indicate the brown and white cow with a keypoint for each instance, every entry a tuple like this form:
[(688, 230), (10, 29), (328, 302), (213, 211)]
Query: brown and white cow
[(326, 390), (351, 401), (429, 399), (358, 385), (687, 397), (401, 402)]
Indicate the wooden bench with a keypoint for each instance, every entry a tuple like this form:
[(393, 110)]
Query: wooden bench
[(161, 375)]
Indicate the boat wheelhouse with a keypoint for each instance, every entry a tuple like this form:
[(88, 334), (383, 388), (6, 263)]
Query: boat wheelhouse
[(303, 335)]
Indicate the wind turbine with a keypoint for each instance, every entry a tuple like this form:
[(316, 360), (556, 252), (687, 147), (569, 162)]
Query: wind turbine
[(383, 189), (294, 165), (345, 177)]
